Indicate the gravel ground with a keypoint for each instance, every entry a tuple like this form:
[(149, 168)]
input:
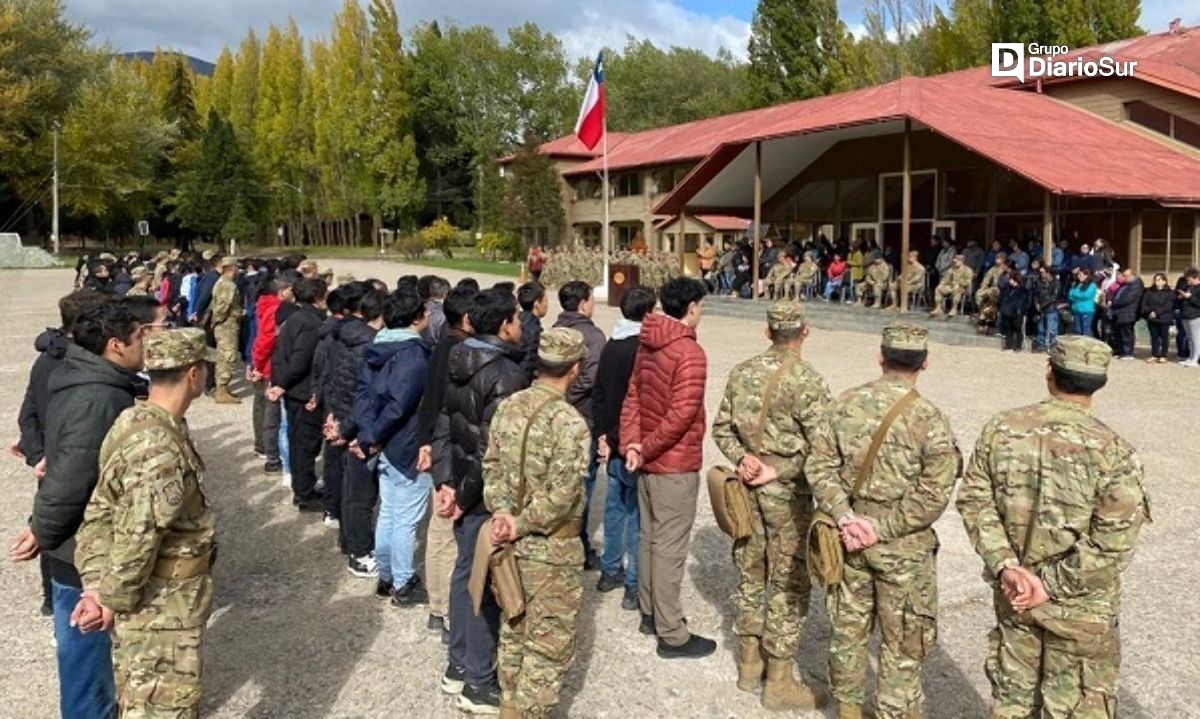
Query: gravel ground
[(294, 635)]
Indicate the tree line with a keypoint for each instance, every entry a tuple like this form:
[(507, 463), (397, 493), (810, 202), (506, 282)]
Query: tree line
[(319, 141)]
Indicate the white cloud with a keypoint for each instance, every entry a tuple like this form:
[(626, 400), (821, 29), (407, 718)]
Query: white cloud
[(663, 22)]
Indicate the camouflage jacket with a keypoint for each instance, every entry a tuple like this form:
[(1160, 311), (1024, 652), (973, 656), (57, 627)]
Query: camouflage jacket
[(226, 302), (1052, 487), (148, 506), (959, 277), (914, 472), (807, 272), (784, 432), (136, 291), (914, 275), (556, 463), (991, 278), (880, 273)]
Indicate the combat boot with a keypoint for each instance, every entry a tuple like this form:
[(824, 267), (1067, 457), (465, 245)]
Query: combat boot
[(750, 664), (509, 711), (781, 691), (852, 711), (222, 395)]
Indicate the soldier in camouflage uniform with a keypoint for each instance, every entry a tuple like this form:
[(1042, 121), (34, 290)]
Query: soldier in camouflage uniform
[(779, 279), (914, 278), (806, 276), (533, 472), (226, 312), (955, 284), (774, 406), (1053, 502), (141, 282), (988, 294), (878, 279), (890, 573), (145, 548)]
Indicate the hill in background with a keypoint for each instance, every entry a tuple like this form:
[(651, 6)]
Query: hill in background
[(200, 67)]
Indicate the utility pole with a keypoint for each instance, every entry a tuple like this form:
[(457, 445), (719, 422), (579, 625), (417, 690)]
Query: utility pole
[(54, 219)]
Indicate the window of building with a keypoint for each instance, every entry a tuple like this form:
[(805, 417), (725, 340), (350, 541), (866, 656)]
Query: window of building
[(1163, 122), (1168, 241), (588, 188), (589, 235), (966, 191), (859, 198), (624, 235), (924, 185), (626, 184), (666, 179)]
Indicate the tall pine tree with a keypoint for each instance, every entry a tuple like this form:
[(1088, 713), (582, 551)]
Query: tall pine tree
[(795, 50)]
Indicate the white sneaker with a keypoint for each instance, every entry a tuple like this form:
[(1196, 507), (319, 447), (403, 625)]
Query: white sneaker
[(1188, 363), (286, 481), (330, 522), (364, 567)]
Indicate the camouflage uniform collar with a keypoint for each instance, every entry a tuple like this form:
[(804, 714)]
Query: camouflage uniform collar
[(547, 388), (1066, 404), (896, 381), (164, 415), (784, 351)]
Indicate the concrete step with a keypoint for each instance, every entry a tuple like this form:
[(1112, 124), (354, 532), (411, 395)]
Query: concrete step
[(851, 318)]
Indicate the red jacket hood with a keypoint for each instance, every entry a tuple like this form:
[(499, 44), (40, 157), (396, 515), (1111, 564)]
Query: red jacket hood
[(659, 330)]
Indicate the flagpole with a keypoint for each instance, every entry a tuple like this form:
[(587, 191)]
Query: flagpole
[(605, 240)]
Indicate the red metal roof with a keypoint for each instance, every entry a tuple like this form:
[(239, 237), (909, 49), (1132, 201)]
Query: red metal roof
[(720, 223), (1060, 147)]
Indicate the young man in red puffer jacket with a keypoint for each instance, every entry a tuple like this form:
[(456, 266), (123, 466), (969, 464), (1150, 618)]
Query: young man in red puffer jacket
[(662, 436)]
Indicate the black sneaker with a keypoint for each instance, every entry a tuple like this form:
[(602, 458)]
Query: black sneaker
[(453, 680), (482, 699), (591, 561), (646, 626), (411, 594), (609, 582), (382, 589), (309, 505), (630, 600), (47, 610), (364, 567), (695, 647), (273, 468)]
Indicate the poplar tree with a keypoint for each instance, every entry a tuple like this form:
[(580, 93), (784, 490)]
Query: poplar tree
[(243, 99), (795, 48)]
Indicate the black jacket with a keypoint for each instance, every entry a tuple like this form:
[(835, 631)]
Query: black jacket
[(87, 393), (204, 290), (483, 371), (52, 347), (579, 394), (1127, 303), (121, 283), (531, 339), (1014, 301), (321, 355), (1161, 303), (1045, 293), (1189, 308), (436, 379), (612, 382), (292, 360), (350, 338)]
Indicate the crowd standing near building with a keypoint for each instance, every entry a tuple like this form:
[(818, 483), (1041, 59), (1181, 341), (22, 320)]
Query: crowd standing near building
[(448, 419)]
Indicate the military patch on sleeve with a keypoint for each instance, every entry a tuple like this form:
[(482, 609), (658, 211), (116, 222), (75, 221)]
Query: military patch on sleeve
[(173, 493)]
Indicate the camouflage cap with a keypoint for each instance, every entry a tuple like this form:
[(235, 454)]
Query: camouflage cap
[(561, 345), (1085, 355), (307, 266), (786, 316), (107, 257), (325, 272), (171, 349), (207, 255), (345, 279), (137, 272), (229, 262), (905, 336)]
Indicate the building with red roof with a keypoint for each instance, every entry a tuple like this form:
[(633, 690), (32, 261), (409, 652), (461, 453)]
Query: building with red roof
[(988, 159)]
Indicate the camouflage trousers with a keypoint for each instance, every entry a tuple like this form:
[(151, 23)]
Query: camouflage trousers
[(877, 290), (955, 293), (535, 651), (157, 672), (1070, 672), (896, 589), (227, 347), (987, 297), (773, 583)]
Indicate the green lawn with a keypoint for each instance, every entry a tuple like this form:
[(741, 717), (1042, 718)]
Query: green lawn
[(481, 266)]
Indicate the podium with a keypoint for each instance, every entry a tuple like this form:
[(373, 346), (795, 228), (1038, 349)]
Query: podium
[(620, 279)]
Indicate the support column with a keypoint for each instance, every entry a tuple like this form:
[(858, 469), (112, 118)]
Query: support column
[(1135, 241), (837, 210), (1047, 229), (989, 231), (681, 237), (757, 217), (905, 219)]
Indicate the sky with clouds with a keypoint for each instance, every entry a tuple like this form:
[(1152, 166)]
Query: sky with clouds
[(201, 28)]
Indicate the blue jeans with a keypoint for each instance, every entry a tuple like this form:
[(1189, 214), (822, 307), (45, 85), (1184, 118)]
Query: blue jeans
[(621, 523), (1047, 335), (831, 287), (1183, 347), (285, 450), (87, 688), (403, 502), (1083, 323), (589, 487)]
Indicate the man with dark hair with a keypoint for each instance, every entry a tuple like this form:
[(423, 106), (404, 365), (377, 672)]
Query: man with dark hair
[(358, 491), (885, 503), (662, 436), (291, 377), (618, 564), (390, 384), (94, 384), (771, 416), (440, 549), (578, 303), (483, 370), (433, 290), (534, 306), (1053, 501), (407, 281), (469, 283)]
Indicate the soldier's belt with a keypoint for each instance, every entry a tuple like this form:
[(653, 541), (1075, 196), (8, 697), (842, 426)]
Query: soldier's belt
[(182, 567), (570, 530)]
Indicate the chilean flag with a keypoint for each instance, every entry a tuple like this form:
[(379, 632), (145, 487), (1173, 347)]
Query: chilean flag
[(590, 126)]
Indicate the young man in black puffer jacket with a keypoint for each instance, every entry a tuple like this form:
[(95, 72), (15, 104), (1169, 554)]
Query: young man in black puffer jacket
[(483, 371), (291, 375)]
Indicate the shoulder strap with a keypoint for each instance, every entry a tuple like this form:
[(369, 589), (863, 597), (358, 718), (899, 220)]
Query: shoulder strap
[(864, 471), (769, 399), (520, 503)]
